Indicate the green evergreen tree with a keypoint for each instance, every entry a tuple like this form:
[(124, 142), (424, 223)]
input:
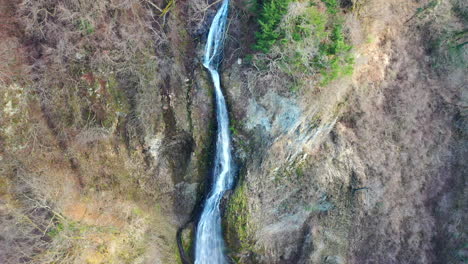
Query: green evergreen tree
[(271, 13)]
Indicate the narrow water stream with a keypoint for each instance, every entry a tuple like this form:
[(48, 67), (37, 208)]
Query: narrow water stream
[(209, 243)]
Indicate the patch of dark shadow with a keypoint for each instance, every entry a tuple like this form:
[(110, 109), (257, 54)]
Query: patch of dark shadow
[(185, 255), (349, 120), (333, 137), (168, 113), (206, 170), (25, 260), (460, 122), (128, 83), (354, 190), (355, 182), (346, 4), (259, 141), (62, 142), (129, 126), (224, 201), (298, 130), (188, 256), (446, 207), (178, 149), (305, 245)]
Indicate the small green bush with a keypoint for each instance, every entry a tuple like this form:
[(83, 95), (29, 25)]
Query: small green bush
[(86, 27), (332, 6)]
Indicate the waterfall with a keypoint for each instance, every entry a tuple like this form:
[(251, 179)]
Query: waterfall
[(209, 243)]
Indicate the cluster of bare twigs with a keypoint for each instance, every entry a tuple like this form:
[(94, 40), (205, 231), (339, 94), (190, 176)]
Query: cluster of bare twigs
[(26, 220)]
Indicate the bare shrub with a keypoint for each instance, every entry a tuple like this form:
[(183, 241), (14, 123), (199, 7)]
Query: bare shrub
[(25, 219), (91, 135), (198, 11), (104, 32)]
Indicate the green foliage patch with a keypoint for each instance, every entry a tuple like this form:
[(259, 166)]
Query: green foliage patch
[(335, 58), (304, 40), (237, 221), (270, 14), (85, 26)]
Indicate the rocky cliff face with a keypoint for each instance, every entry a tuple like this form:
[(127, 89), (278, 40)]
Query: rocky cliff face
[(106, 125), (366, 170), (107, 122)]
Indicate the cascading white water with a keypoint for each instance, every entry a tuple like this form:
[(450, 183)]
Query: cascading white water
[(209, 243)]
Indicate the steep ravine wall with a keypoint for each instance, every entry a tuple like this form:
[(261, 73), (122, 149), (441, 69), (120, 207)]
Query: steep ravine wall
[(366, 170), (107, 120), (106, 125)]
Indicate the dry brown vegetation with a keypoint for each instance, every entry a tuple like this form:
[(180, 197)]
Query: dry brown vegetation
[(71, 163), (95, 115), (385, 183)]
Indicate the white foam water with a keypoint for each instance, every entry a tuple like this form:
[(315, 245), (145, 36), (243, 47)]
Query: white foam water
[(209, 243)]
